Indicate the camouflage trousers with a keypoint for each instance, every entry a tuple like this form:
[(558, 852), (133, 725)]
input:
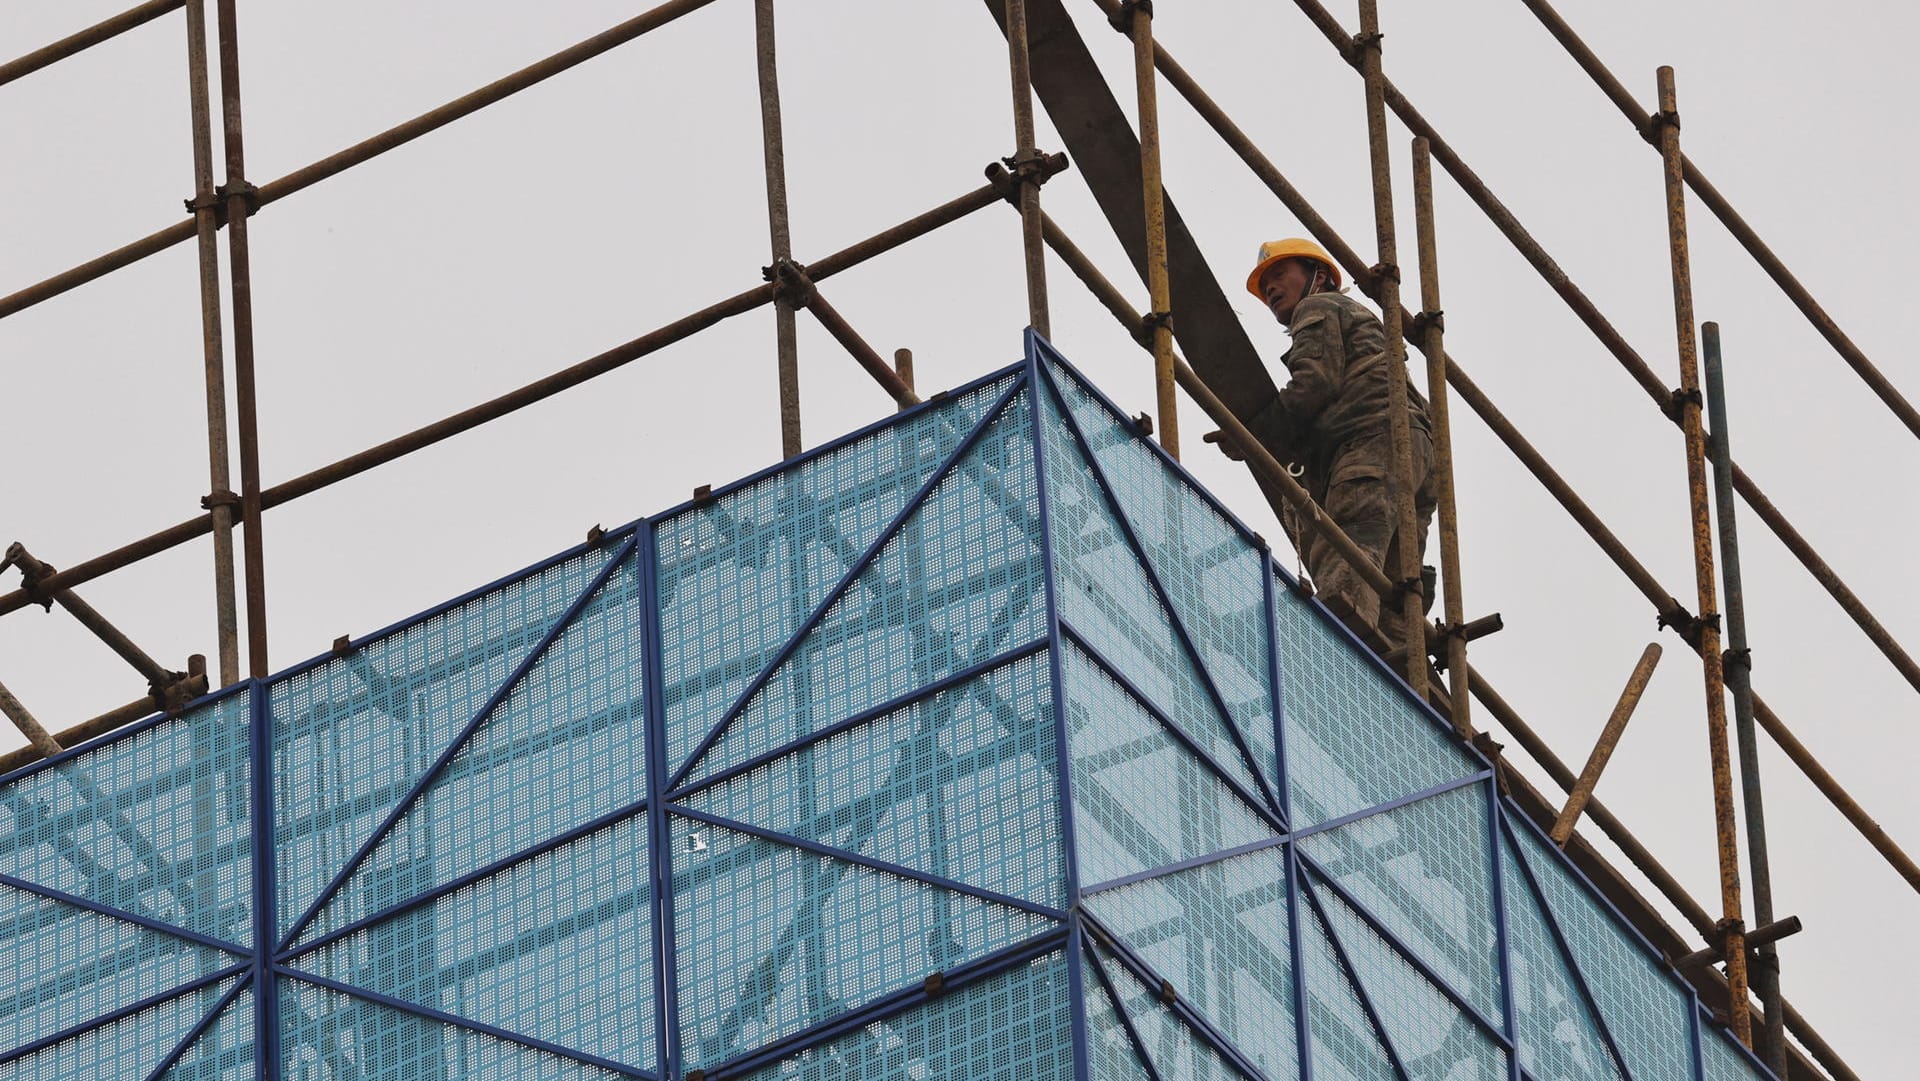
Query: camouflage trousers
[(1356, 484)]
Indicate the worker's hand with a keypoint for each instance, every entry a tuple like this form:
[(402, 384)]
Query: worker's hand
[(1226, 444)]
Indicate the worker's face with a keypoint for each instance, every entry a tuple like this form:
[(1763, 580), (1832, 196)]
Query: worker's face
[(1283, 284)]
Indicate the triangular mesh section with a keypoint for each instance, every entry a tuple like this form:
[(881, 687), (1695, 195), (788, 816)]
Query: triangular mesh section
[(1355, 739), (1723, 1058), (153, 823), (1425, 870), (558, 947), (133, 1046), (1177, 1053), (1219, 933), (1345, 1044), (773, 939), (329, 1035), (960, 582), (567, 745), (1105, 597), (1211, 571), (1141, 800), (737, 575), (65, 965), (1431, 1034), (963, 784), (1644, 1005), (224, 1052), (1557, 1036), (1111, 1055), (351, 736), (1012, 1026)]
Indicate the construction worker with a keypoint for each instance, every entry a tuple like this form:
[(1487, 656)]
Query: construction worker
[(1330, 423)]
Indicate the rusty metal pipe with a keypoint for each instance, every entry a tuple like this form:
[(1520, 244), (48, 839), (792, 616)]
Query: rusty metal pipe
[(206, 218), (903, 367), (1711, 198), (1739, 672), (1399, 428), (193, 686), (857, 347), (35, 576), (1763, 936), (238, 194), (1025, 161), (1603, 747), (1726, 831), (39, 739), (539, 390), (1433, 345), (773, 151), (398, 135), (105, 29), (1139, 28)]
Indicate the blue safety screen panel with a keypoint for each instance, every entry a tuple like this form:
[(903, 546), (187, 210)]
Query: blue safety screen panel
[(979, 744)]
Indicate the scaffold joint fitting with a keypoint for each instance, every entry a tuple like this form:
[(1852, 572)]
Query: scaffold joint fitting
[(1380, 273), (245, 192), (1150, 323), (1367, 41), (1678, 401), (219, 497), (1742, 657), (792, 288), (1122, 17), (1425, 321), (32, 572), (1662, 119), (1144, 424)]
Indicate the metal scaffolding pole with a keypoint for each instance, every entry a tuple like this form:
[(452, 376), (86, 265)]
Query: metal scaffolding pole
[(1136, 20), (37, 735), (773, 149), (1027, 163), (1610, 733), (1711, 198), (220, 501), (1387, 274), (1739, 671), (1432, 331), (1707, 628), (106, 29)]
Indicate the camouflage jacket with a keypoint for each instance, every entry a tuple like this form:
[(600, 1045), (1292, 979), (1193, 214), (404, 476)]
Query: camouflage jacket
[(1337, 387)]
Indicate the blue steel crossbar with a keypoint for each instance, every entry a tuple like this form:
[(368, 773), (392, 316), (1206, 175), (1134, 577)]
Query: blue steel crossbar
[(1132, 540), (873, 713), (123, 732), (1566, 954), (446, 756), (1254, 804), (1352, 975), (206, 1021), (1394, 804), (111, 912), (93, 1023), (266, 883), (869, 862), (894, 1003), (666, 999), (430, 1014), (1126, 1023), (1296, 953), (1284, 788), (1182, 1009), (1063, 749), (1186, 865), (1502, 922), (846, 580)]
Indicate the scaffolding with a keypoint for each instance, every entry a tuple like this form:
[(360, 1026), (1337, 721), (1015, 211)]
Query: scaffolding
[(1186, 313)]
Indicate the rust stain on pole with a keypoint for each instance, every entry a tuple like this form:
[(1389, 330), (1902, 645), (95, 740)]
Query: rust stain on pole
[(773, 150), (1433, 338), (1407, 569), (1138, 18), (1026, 164), (1689, 403), (37, 735), (903, 367), (221, 501), (1603, 748)]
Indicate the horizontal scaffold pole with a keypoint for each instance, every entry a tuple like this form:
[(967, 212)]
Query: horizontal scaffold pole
[(79, 41)]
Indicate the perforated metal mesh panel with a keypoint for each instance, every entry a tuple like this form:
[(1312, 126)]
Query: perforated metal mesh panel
[(775, 786), (1425, 870), (1723, 1058), (1016, 1026)]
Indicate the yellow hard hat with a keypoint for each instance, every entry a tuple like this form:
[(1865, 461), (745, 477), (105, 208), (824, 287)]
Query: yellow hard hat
[(1291, 248)]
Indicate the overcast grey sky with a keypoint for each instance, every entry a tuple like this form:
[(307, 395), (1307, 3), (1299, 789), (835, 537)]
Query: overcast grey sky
[(628, 192)]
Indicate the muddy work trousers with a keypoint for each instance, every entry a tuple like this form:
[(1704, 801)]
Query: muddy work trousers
[(1356, 484)]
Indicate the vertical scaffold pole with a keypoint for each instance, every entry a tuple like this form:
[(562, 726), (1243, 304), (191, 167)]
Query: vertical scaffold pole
[(1739, 675), (1688, 402), (1433, 330), (773, 146), (240, 200), (206, 217), (1139, 23), (1406, 571), (1026, 165)]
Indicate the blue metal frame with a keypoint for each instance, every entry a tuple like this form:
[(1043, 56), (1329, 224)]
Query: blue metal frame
[(124, 732), (1496, 863), (1180, 1007), (124, 1012), (446, 756), (1353, 980), (1132, 540), (1126, 1023), (666, 999), (206, 1022), (820, 610), (1302, 1025), (147, 922), (266, 886)]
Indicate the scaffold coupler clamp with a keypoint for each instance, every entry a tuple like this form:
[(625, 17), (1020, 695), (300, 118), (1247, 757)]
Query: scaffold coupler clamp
[(1033, 166), (1425, 321), (248, 195), (1122, 17), (219, 497), (792, 289), (1658, 121), (32, 573), (1678, 401), (1150, 323)]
